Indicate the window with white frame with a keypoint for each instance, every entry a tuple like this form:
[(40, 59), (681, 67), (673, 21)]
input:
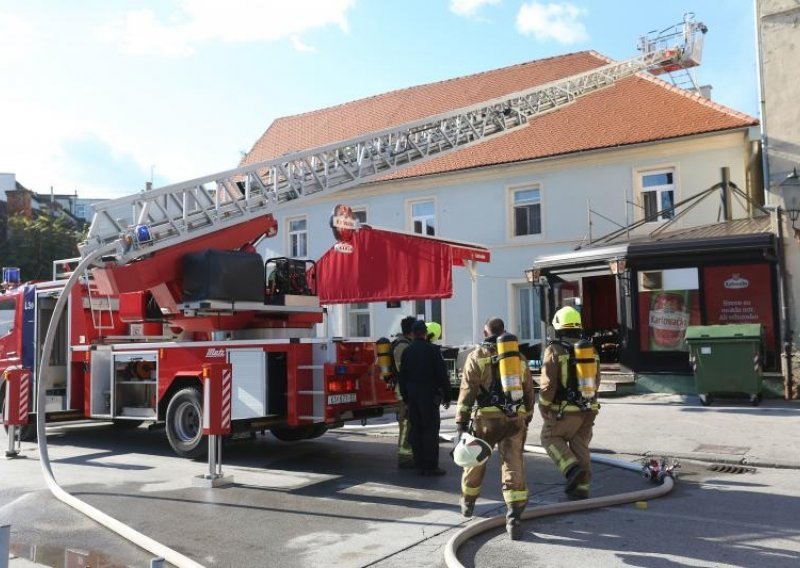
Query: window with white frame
[(527, 211), (298, 237), (423, 217), (527, 299), (360, 215), (358, 324), (657, 188)]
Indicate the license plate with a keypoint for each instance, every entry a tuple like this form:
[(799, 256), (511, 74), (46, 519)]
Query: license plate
[(341, 398)]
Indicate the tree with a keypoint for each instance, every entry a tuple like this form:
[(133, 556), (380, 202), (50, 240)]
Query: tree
[(33, 245)]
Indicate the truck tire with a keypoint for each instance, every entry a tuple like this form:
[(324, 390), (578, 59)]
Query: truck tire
[(184, 424), (287, 434)]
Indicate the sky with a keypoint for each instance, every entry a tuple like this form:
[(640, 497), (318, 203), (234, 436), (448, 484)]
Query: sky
[(100, 96)]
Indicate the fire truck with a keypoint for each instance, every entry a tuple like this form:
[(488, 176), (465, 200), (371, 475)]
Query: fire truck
[(168, 281)]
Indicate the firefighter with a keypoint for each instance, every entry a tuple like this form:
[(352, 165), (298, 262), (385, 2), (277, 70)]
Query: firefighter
[(504, 405), (405, 455), (568, 401), (424, 385)]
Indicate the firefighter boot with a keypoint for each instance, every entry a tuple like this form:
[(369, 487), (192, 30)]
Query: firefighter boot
[(467, 507), (514, 521), (573, 475)]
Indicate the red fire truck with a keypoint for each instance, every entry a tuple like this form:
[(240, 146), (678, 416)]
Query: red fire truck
[(169, 281)]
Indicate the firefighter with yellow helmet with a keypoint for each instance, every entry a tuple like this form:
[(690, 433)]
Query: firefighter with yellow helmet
[(568, 401), (495, 406)]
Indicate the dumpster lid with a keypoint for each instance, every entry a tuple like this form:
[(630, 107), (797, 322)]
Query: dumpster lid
[(725, 331)]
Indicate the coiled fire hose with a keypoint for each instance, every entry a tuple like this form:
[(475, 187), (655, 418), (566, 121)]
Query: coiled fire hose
[(471, 530), (137, 538)]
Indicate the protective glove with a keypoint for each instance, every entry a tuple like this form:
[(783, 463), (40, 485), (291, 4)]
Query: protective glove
[(461, 429)]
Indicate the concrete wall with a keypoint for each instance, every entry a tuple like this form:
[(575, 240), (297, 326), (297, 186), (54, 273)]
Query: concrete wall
[(476, 206), (779, 34)]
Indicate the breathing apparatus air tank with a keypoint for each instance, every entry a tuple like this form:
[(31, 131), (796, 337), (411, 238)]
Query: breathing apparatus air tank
[(510, 371), (383, 347), (586, 368)]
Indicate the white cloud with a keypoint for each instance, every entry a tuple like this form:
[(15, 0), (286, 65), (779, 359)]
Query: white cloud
[(15, 38), (469, 8), (300, 45), (559, 22), (234, 21)]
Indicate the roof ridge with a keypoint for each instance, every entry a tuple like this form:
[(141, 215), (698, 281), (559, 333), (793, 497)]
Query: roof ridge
[(697, 97), (441, 82)]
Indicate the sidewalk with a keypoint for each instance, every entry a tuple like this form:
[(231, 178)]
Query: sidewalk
[(729, 431)]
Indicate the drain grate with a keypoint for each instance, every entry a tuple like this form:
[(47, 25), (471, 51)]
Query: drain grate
[(730, 468)]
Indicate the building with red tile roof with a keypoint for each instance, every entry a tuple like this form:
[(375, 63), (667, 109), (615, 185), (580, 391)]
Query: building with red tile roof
[(622, 153)]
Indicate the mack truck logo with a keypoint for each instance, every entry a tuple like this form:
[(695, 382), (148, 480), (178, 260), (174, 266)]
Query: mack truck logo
[(214, 352)]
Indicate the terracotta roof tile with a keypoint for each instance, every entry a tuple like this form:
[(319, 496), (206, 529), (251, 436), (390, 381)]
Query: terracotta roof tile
[(634, 110)]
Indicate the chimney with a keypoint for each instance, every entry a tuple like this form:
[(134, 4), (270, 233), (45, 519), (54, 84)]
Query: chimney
[(19, 202), (705, 91)]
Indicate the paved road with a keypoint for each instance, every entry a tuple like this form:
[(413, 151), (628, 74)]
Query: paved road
[(339, 501)]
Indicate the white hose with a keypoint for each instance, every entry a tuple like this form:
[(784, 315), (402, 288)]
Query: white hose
[(137, 538), (451, 549)]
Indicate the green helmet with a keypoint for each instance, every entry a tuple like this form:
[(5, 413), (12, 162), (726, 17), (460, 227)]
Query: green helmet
[(434, 331), (567, 318)]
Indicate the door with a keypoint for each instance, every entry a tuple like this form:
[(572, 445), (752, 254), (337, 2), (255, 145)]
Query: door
[(249, 383)]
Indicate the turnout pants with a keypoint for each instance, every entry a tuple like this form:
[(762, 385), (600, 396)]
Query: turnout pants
[(508, 434), (404, 452), (567, 442)]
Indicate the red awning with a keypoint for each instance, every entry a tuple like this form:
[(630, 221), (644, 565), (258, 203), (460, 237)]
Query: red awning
[(391, 266)]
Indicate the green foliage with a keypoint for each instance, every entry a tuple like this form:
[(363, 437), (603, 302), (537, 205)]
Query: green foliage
[(33, 245)]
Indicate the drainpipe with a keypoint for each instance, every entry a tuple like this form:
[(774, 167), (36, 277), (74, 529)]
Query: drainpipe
[(762, 102), (786, 322)]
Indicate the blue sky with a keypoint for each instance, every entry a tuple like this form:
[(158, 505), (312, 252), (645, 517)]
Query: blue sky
[(99, 95)]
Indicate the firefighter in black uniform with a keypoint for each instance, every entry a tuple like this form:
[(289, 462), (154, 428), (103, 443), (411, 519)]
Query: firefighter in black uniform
[(424, 385)]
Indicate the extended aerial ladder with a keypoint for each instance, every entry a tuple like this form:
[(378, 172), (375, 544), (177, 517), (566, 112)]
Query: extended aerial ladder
[(234, 205)]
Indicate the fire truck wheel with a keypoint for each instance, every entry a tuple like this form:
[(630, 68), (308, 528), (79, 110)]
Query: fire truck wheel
[(287, 434), (184, 418)]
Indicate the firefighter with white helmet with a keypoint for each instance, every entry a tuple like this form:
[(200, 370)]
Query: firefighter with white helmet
[(496, 397), (568, 401)]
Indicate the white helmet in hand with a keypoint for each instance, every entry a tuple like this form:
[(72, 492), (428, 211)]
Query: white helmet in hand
[(471, 451)]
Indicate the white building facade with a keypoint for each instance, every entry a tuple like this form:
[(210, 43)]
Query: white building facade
[(519, 211)]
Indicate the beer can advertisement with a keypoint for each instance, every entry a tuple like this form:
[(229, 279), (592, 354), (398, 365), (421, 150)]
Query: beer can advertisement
[(666, 314)]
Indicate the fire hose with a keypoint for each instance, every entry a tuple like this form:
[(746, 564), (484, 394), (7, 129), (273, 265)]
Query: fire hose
[(656, 470), (132, 535)]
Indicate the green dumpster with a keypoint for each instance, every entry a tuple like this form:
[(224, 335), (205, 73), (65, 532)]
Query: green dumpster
[(726, 359)]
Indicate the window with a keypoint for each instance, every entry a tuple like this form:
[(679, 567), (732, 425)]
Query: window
[(360, 215), (528, 306), (527, 206), (81, 211), (6, 316), (358, 324), (423, 222), (658, 195), (298, 238), (423, 217)]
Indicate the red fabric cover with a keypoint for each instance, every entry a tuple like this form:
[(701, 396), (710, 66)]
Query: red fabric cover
[(385, 267)]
